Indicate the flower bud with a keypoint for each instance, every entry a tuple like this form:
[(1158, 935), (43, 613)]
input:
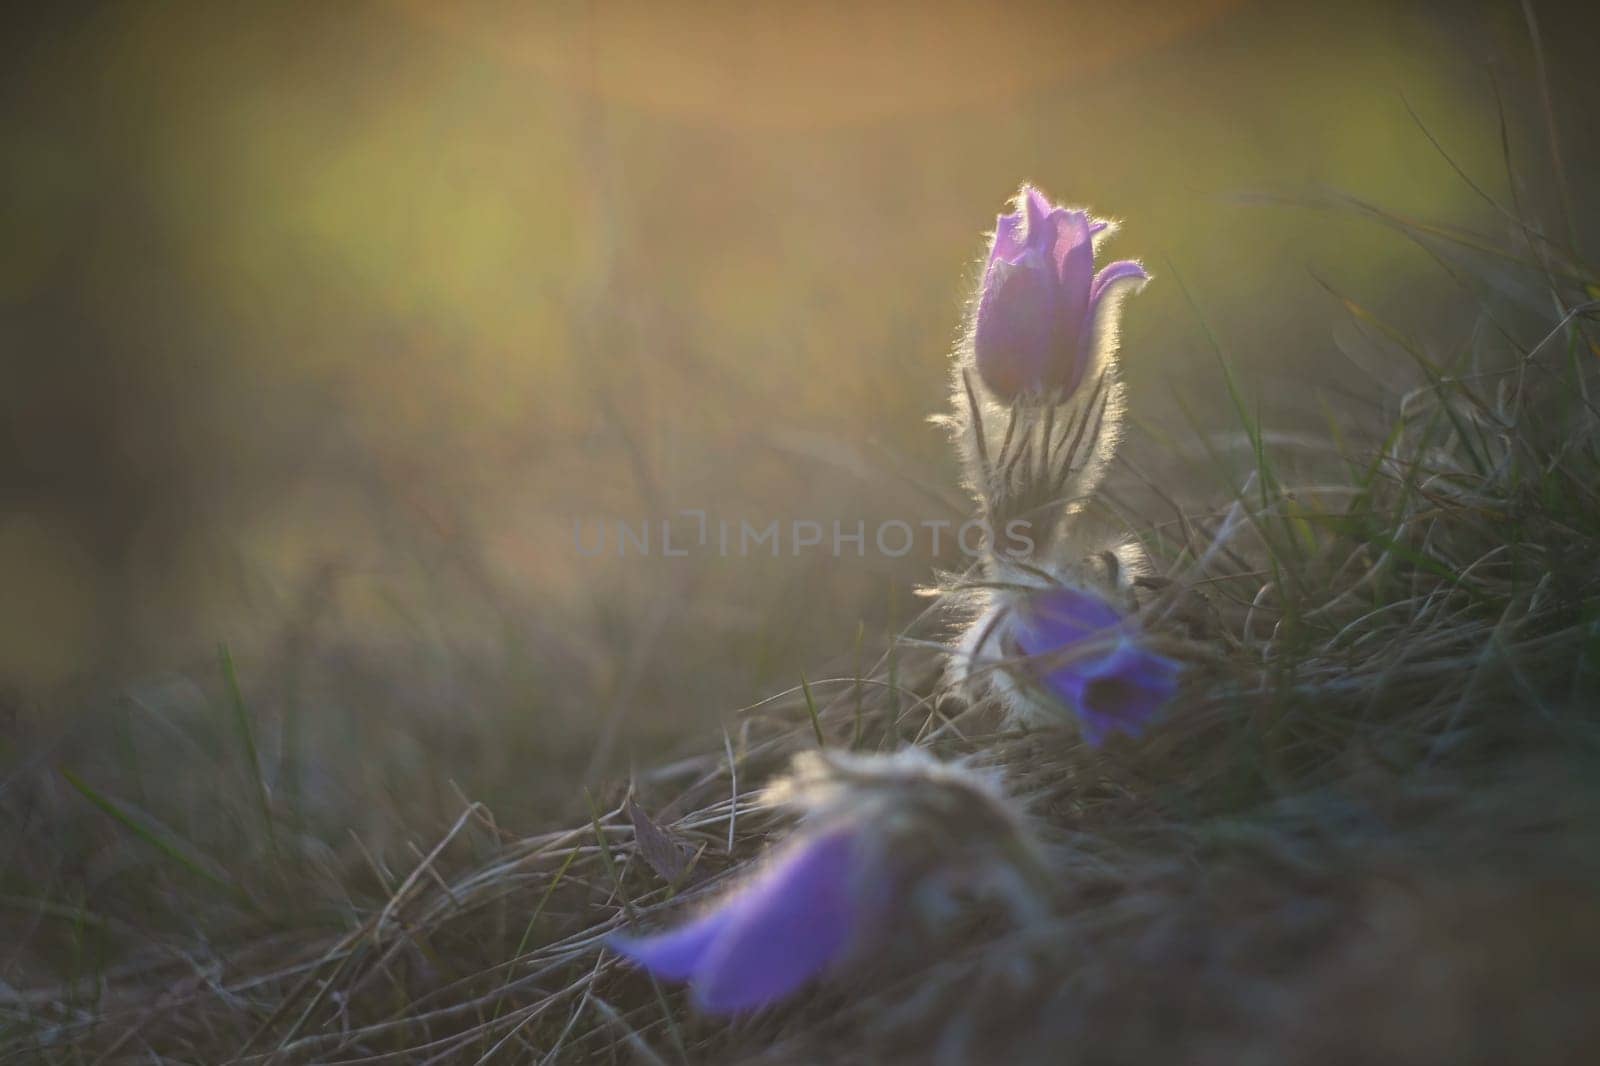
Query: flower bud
[(1044, 315)]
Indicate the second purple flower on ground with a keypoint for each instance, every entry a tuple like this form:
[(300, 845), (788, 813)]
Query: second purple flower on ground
[(1085, 653)]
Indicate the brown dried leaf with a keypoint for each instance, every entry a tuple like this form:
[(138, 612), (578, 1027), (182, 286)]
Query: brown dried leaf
[(666, 856)]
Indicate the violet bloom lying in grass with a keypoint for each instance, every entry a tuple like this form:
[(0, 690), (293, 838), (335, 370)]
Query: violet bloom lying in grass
[(1044, 315), (772, 935), (886, 841)]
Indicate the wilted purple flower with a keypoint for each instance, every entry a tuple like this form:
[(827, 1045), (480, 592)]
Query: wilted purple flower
[(879, 830), (1043, 311), (772, 936), (1086, 654)]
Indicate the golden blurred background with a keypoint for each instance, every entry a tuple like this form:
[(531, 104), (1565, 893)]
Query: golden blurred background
[(324, 323)]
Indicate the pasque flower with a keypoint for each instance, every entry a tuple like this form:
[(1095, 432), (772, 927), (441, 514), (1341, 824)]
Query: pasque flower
[(773, 935), (1044, 314), (881, 832), (1087, 655)]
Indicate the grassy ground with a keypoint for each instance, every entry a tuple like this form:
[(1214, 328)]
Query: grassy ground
[(1367, 831)]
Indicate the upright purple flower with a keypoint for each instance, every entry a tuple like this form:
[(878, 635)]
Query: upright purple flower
[(1043, 312), (1087, 655)]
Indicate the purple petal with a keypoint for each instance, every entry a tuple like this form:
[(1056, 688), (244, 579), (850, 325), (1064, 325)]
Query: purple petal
[(1061, 616), (1074, 259), (1008, 241), (1122, 273), (1088, 656), (1038, 210), (1124, 691), (1092, 729), (1123, 270), (1072, 249), (789, 925), (1019, 328), (674, 955)]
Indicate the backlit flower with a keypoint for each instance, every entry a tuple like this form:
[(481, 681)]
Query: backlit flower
[(1044, 314)]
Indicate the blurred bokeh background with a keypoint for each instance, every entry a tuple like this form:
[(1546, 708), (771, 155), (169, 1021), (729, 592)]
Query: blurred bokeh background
[(324, 323)]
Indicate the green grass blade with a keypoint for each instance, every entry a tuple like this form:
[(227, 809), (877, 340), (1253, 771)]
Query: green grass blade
[(241, 718), (151, 832), (811, 709)]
